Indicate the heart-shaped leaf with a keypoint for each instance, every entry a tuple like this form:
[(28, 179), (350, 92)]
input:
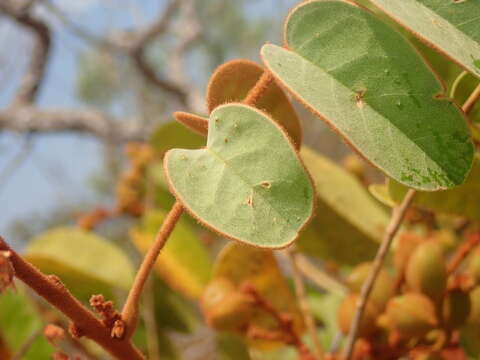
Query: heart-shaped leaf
[(194, 122), (373, 88), (185, 271), (232, 81), (85, 262), (463, 200), (248, 183), (451, 26)]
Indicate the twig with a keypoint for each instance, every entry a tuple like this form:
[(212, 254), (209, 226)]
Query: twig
[(34, 75), (319, 277), (472, 99), (32, 120), (130, 309), (390, 232), (259, 89), (304, 305), (284, 321), (462, 252), (52, 290), (27, 345)]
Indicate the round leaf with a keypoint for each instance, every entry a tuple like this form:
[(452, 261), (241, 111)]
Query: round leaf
[(373, 88), (172, 134), (85, 262), (248, 183), (232, 81), (451, 26)]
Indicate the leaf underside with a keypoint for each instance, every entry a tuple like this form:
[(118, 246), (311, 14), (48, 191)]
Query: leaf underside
[(453, 27), (248, 183), (373, 88), (232, 81)]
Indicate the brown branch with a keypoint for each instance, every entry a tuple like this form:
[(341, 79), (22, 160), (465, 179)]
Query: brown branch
[(471, 101), (31, 120), (304, 305), (390, 232), (33, 77), (53, 291), (130, 309)]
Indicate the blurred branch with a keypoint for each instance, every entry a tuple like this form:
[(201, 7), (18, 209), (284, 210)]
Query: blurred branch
[(23, 117), (30, 119), (34, 74)]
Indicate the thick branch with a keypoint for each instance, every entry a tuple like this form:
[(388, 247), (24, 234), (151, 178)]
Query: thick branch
[(30, 119), (52, 290), (33, 76), (390, 232)]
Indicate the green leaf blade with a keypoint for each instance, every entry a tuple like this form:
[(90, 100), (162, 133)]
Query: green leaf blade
[(452, 27), (248, 183), (371, 86), (86, 262)]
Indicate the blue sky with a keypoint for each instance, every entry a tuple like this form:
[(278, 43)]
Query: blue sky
[(59, 166)]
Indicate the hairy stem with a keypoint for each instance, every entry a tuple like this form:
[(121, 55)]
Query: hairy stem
[(259, 89), (53, 291), (130, 309), (304, 305), (471, 101), (390, 232)]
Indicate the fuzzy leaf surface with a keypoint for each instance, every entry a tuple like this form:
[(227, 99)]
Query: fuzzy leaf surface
[(232, 81), (373, 88), (452, 27), (248, 183)]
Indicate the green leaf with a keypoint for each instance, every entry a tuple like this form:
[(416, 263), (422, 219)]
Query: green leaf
[(373, 88), (85, 262), (349, 223), (240, 263), (248, 183), (18, 321), (450, 26), (232, 81), (173, 134), (184, 262), (463, 200)]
